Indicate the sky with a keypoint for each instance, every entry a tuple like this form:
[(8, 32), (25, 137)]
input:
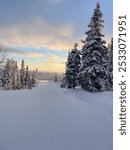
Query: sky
[(42, 31)]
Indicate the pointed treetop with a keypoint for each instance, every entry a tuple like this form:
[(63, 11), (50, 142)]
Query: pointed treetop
[(98, 4), (76, 45), (95, 25)]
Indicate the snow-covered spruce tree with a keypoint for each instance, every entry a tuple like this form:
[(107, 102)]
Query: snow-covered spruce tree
[(33, 79), (13, 73), (6, 80), (27, 77), (110, 65), (93, 71), (18, 84), (22, 75), (30, 79), (72, 68), (3, 59), (111, 55)]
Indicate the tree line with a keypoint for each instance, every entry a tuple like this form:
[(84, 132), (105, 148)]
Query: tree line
[(13, 78), (92, 66)]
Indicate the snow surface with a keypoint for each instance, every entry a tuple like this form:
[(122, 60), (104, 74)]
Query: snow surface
[(51, 118)]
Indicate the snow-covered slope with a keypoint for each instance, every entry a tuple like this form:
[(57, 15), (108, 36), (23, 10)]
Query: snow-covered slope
[(51, 118)]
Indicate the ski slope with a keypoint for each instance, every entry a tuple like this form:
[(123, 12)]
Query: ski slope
[(51, 118)]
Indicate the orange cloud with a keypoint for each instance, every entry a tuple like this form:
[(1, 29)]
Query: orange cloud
[(16, 52), (54, 59), (29, 54), (49, 63), (39, 34)]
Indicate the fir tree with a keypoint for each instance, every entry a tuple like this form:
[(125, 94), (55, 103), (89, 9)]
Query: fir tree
[(13, 73), (27, 77), (72, 68), (110, 65), (18, 84), (30, 81), (110, 56), (22, 75), (6, 80), (93, 71), (33, 80)]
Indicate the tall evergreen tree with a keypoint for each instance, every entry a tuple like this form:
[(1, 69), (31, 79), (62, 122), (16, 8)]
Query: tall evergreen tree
[(110, 55), (13, 73), (3, 57), (22, 75), (18, 84), (6, 80), (110, 65), (93, 71), (33, 79), (72, 68), (27, 77)]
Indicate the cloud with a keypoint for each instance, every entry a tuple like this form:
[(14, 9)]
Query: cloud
[(54, 59), (45, 62), (53, 63), (39, 34), (49, 67), (16, 52), (21, 23), (49, 63)]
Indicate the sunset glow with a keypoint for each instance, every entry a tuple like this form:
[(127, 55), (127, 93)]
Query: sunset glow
[(42, 31)]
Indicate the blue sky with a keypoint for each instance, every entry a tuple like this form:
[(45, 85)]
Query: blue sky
[(42, 31)]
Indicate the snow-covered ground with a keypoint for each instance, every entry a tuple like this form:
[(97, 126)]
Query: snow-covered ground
[(51, 118)]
